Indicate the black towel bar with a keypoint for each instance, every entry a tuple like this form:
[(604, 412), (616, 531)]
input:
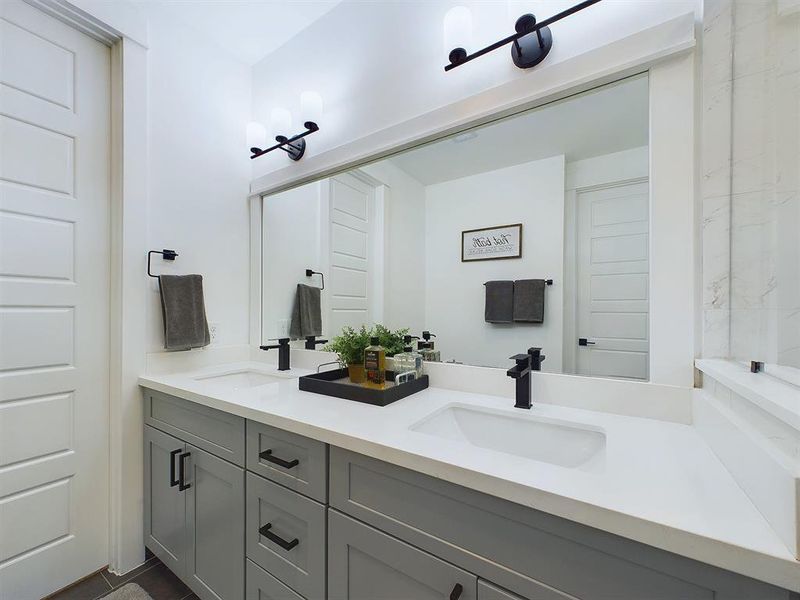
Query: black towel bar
[(166, 254), (546, 281), (309, 273)]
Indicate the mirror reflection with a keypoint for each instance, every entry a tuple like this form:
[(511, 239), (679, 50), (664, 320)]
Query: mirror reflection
[(527, 232)]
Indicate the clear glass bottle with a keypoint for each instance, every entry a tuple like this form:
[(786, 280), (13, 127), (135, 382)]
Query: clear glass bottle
[(408, 360), (375, 364)]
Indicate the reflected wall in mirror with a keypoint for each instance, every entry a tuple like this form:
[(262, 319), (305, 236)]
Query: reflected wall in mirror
[(388, 239)]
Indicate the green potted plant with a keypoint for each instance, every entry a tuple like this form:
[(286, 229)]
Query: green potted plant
[(349, 346), (392, 341)]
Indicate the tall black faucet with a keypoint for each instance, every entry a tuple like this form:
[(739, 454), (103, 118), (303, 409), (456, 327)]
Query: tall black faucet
[(312, 342), (283, 353), (531, 361)]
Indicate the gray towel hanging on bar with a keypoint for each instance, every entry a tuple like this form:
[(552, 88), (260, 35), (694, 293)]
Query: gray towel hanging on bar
[(184, 312), (529, 300), (306, 313), (499, 301)]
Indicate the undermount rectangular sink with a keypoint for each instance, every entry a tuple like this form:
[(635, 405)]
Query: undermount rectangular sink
[(241, 379), (556, 442)]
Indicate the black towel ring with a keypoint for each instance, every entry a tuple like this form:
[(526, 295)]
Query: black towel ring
[(166, 254), (309, 273)]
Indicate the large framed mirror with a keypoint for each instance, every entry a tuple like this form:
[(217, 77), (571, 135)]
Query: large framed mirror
[(552, 204)]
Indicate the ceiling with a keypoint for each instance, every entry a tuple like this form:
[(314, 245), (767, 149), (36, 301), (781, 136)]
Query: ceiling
[(245, 29), (607, 120)]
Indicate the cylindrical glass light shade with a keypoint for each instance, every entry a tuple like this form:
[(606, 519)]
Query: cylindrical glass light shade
[(311, 107), (281, 122), (457, 29), (256, 135)]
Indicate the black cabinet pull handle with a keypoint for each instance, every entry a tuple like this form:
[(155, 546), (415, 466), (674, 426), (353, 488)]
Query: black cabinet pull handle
[(456, 593), (585, 342), (182, 472), (265, 531), (172, 480), (286, 464)]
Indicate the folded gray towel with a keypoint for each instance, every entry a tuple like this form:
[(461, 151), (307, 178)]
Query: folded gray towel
[(184, 312), (306, 313), (529, 300), (499, 302)]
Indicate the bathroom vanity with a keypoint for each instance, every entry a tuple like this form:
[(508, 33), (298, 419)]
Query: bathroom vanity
[(256, 490)]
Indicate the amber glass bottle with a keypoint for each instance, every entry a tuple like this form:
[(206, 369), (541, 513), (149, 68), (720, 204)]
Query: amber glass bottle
[(375, 364)]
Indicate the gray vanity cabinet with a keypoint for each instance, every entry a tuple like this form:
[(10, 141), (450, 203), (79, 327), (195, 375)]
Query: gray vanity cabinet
[(164, 504), (366, 564)]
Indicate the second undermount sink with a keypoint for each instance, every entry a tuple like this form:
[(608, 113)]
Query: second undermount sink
[(552, 441), (245, 378)]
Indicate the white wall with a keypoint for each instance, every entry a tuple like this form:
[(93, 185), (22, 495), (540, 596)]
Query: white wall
[(404, 280), (199, 106), (291, 244), (377, 64), (531, 194)]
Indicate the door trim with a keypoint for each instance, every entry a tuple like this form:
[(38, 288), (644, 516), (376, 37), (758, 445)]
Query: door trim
[(128, 229)]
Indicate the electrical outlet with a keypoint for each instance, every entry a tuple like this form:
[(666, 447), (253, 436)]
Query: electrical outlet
[(283, 328), (213, 330)]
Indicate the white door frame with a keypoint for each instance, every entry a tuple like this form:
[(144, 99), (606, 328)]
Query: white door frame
[(120, 26)]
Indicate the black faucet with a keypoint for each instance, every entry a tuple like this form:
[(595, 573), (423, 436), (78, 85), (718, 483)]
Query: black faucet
[(531, 361), (312, 342), (283, 353)]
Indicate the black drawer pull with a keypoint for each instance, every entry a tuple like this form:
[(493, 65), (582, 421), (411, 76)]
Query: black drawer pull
[(265, 531), (456, 593), (172, 479), (182, 472), (286, 464)]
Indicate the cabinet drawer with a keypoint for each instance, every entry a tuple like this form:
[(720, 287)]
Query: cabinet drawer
[(286, 536), (212, 430), (297, 462), (528, 552), (366, 564), (263, 586)]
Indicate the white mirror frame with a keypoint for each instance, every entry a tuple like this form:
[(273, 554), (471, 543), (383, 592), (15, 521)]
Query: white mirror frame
[(666, 53)]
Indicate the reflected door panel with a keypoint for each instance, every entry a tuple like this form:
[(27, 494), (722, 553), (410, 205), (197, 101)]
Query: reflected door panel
[(613, 272)]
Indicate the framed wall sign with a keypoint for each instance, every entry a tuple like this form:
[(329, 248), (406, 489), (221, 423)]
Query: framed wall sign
[(492, 243)]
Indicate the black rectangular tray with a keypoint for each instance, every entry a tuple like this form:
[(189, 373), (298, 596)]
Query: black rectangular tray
[(337, 383)]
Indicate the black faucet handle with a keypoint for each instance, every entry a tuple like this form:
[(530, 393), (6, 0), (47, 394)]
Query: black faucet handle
[(282, 341), (521, 359)]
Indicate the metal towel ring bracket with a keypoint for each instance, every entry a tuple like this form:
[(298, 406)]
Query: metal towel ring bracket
[(309, 273), (166, 254)]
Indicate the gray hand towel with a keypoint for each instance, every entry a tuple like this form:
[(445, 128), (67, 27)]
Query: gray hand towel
[(499, 301), (529, 300), (184, 312), (306, 313)]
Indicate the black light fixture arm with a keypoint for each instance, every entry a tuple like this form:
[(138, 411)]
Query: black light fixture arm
[(288, 145), (525, 25)]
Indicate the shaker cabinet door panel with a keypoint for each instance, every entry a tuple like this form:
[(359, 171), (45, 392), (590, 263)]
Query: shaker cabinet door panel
[(215, 565), (365, 564), (164, 504)]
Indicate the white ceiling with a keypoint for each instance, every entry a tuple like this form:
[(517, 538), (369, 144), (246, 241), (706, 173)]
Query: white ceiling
[(246, 29), (611, 119)]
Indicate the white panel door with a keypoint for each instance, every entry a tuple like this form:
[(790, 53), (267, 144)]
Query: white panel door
[(54, 191), (351, 259), (613, 271)]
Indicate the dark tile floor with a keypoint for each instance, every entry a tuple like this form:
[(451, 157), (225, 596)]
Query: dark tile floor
[(152, 576)]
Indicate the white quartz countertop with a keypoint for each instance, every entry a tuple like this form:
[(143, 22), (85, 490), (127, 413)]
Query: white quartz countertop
[(657, 482)]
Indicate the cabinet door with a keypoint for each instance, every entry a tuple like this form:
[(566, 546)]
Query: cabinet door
[(365, 564), (214, 527), (164, 503), (489, 591)]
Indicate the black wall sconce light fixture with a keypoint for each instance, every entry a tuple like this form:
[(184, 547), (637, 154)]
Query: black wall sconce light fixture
[(294, 146), (281, 121), (531, 42)]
